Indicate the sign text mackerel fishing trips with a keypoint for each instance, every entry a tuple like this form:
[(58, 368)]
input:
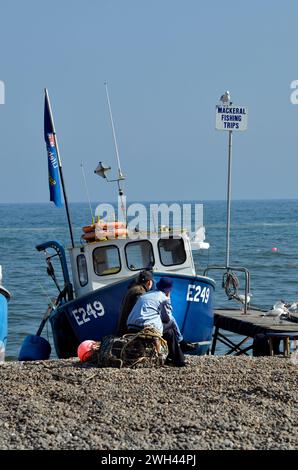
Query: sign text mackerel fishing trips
[(231, 118)]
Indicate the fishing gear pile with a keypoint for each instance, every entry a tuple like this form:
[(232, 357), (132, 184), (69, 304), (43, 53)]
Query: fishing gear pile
[(145, 348)]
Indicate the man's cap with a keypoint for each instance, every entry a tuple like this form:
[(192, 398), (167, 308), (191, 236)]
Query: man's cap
[(165, 284), (145, 276)]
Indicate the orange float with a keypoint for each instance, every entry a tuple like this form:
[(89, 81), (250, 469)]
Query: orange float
[(116, 233), (104, 226), (86, 348), (89, 228), (104, 231), (109, 225)]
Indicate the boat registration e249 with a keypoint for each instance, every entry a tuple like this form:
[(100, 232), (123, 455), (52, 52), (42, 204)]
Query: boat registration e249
[(82, 315), (197, 294)]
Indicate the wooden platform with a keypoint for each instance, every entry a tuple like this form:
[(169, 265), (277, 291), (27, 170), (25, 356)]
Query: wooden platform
[(250, 325)]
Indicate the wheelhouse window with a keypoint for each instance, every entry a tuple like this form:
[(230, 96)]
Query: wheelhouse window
[(106, 260), (139, 255), (82, 270), (171, 251)]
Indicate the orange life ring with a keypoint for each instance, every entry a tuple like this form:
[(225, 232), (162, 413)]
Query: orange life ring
[(104, 231), (89, 228), (118, 232), (104, 226), (110, 225)]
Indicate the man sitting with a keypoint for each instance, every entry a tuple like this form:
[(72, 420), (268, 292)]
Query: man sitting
[(154, 309)]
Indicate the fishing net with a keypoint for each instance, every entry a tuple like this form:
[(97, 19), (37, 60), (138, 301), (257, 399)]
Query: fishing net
[(146, 348)]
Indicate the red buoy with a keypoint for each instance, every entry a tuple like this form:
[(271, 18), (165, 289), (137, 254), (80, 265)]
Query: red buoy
[(85, 349)]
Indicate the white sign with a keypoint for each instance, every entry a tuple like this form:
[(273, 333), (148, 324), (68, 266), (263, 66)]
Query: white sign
[(231, 118)]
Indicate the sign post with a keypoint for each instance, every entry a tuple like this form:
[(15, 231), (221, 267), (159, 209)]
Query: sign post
[(229, 200), (230, 118)]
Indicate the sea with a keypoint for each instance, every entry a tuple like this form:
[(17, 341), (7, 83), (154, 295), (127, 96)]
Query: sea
[(263, 239)]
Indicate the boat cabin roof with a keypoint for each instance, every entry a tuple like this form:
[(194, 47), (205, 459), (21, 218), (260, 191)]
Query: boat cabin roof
[(100, 263)]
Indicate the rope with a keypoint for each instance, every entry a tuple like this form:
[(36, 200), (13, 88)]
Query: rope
[(230, 283), (147, 333)]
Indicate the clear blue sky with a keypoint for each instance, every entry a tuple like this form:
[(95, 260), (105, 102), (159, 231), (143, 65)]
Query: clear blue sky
[(166, 62)]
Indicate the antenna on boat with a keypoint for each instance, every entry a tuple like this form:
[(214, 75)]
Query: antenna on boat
[(87, 192), (120, 174), (102, 169)]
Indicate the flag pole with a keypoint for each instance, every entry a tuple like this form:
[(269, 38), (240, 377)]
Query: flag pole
[(60, 167)]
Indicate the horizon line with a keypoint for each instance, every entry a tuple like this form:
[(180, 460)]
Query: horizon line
[(153, 201)]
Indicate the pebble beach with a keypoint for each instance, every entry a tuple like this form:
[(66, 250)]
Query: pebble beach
[(216, 403)]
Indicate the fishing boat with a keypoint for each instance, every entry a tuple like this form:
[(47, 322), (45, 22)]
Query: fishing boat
[(101, 270), (4, 299), (102, 267), (88, 307)]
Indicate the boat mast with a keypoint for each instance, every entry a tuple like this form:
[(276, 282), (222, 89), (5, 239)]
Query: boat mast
[(120, 174), (114, 133)]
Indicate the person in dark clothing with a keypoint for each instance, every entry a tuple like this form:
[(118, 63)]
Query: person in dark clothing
[(139, 287), (154, 309)]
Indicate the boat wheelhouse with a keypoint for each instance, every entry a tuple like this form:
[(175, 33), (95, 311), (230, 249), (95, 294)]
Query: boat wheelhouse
[(95, 265)]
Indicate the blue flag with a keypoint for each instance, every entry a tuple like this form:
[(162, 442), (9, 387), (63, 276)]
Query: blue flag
[(53, 165)]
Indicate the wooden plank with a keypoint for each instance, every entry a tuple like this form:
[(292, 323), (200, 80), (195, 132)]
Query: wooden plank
[(252, 323)]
